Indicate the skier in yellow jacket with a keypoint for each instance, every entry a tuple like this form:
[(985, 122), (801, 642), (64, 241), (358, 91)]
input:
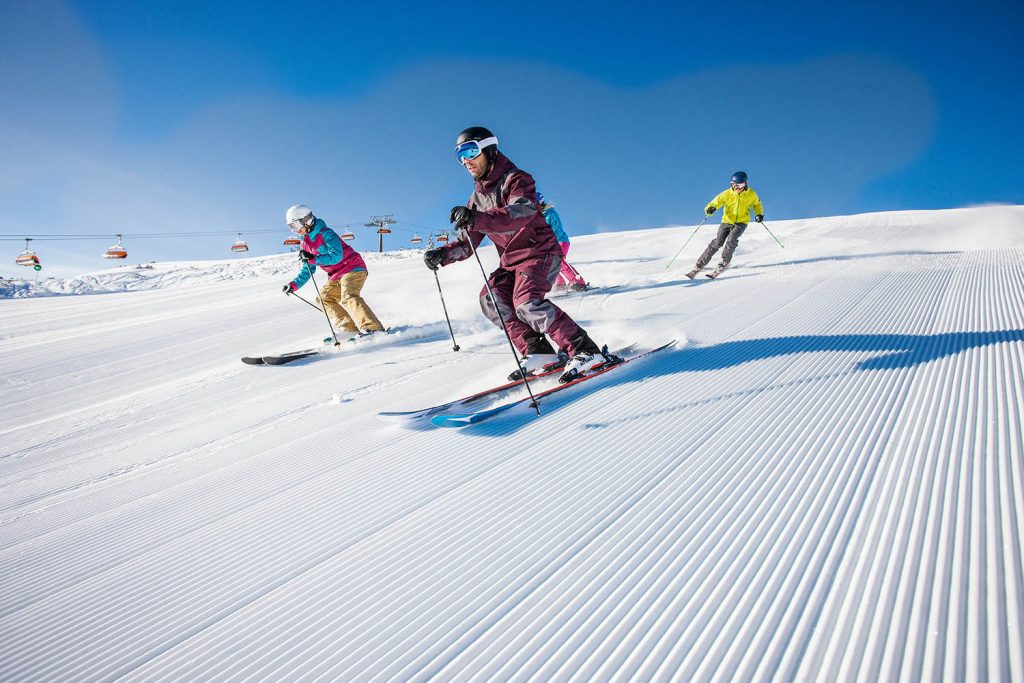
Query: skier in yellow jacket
[(739, 200)]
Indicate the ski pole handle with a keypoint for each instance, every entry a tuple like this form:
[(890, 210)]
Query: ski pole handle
[(685, 243)]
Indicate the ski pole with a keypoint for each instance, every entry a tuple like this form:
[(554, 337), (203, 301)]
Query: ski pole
[(334, 335), (455, 344), (685, 243), (494, 302), (773, 235), (305, 301)]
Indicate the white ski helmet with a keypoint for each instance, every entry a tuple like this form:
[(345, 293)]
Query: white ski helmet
[(299, 216)]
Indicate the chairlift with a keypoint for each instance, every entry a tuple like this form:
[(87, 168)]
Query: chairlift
[(347, 235), (292, 242), (384, 230), (442, 238), (117, 251), (416, 239), (28, 257), (239, 244)]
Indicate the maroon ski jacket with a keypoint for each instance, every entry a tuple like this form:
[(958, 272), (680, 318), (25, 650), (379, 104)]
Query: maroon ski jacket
[(507, 211)]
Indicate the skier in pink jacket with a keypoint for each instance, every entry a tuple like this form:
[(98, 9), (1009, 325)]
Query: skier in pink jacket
[(341, 295), (504, 207)]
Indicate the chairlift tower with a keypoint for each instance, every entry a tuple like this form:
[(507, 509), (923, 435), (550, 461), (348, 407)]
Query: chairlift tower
[(381, 223)]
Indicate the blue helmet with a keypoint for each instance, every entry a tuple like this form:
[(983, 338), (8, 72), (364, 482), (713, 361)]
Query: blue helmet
[(738, 177)]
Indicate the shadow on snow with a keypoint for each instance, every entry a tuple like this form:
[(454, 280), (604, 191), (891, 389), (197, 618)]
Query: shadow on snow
[(888, 352)]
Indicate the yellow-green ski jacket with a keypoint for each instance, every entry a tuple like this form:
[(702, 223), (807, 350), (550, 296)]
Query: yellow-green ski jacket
[(737, 205)]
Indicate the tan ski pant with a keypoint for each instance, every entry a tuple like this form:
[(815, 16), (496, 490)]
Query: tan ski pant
[(346, 308)]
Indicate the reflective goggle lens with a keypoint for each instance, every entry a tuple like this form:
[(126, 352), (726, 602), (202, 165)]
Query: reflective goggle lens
[(298, 223), (467, 150)]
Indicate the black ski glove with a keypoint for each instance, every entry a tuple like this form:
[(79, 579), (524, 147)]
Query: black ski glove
[(287, 289), (758, 218), (462, 217), (433, 257), (305, 256), (710, 210)]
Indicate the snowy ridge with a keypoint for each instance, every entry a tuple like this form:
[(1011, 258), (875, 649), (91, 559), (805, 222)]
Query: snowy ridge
[(823, 481), (171, 274)]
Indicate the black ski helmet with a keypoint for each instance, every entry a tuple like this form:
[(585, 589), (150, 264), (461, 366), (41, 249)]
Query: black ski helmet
[(738, 177), (479, 133)]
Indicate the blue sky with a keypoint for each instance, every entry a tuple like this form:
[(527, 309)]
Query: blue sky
[(181, 117)]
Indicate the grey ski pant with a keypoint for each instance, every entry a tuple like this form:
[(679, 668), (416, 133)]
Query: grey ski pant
[(729, 237)]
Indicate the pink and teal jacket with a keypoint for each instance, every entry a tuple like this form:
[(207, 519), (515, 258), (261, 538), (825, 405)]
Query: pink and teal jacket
[(331, 253)]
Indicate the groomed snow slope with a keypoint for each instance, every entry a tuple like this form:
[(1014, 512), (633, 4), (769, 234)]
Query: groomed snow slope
[(822, 481)]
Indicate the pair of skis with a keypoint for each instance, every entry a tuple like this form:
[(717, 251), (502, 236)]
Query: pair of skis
[(461, 412), (486, 395), (713, 275), (292, 356), (281, 359)]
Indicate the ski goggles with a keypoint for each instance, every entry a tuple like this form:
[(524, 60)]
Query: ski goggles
[(738, 185), (305, 222), (473, 148)]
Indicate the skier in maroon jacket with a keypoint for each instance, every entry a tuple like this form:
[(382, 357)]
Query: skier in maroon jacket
[(504, 207)]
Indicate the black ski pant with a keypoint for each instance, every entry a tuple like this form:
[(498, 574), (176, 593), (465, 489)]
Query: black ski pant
[(729, 237)]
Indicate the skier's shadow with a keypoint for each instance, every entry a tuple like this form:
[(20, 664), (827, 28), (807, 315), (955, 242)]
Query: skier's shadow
[(888, 352)]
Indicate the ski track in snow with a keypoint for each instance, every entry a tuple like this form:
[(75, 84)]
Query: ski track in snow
[(822, 481)]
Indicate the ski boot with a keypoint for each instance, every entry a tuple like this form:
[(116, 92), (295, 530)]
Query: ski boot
[(693, 273), (343, 336), (538, 364), (363, 335), (716, 272), (587, 357), (585, 362)]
